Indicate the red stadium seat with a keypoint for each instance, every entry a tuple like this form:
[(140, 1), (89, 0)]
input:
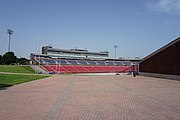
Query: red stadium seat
[(86, 69)]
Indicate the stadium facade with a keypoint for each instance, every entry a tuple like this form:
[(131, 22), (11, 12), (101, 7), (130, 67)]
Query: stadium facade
[(165, 62), (75, 53)]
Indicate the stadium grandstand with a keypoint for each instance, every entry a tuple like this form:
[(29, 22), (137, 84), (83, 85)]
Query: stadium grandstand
[(56, 60)]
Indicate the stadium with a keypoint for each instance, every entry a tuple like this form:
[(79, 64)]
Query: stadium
[(56, 60), (90, 60), (161, 63), (87, 85)]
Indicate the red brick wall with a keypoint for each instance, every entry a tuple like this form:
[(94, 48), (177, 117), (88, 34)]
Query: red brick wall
[(165, 62)]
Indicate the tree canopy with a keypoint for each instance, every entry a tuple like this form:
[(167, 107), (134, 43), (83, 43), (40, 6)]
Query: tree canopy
[(22, 61), (9, 58), (1, 59)]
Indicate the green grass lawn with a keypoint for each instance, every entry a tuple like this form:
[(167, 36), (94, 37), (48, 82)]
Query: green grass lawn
[(7, 80), (16, 69)]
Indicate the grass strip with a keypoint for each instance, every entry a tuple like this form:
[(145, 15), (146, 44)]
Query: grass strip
[(16, 69), (7, 80)]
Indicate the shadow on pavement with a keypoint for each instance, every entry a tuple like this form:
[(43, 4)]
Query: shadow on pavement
[(4, 86)]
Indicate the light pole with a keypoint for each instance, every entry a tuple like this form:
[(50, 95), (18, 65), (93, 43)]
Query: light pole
[(10, 32), (115, 46)]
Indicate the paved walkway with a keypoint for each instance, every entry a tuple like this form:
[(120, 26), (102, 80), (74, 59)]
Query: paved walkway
[(92, 98)]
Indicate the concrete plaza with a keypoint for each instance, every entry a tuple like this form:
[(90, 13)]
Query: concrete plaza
[(83, 97)]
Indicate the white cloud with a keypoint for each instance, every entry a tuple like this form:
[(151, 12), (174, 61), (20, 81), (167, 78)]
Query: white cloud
[(167, 6)]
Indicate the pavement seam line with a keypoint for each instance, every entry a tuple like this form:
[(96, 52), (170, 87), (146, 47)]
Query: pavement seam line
[(53, 113)]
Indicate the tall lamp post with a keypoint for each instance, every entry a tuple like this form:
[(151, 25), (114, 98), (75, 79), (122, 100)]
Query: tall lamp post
[(115, 46), (10, 32)]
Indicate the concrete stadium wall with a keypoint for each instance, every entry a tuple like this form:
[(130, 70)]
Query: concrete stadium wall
[(165, 61)]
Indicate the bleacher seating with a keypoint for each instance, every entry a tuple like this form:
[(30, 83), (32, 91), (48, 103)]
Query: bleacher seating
[(85, 66), (135, 63), (100, 63), (82, 62), (50, 61), (118, 63), (63, 62), (127, 63), (91, 63), (49, 68), (86, 69), (72, 62), (81, 69), (40, 61), (109, 63)]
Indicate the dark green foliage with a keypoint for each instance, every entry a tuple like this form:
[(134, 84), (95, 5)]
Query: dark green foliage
[(22, 61), (9, 58), (0, 59)]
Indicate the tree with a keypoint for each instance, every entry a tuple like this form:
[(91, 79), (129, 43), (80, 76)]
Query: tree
[(23, 61), (1, 59), (9, 58)]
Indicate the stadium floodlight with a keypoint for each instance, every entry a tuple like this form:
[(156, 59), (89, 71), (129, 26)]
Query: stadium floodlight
[(115, 46), (10, 32)]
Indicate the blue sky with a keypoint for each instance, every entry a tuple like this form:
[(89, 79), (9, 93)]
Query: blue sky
[(138, 27)]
